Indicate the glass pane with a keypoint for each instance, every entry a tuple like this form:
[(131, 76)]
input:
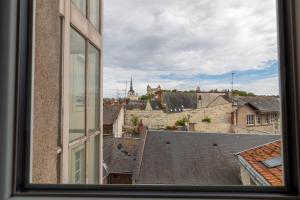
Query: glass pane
[(77, 165), (93, 119), (93, 166), (203, 77), (77, 86), (94, 13), (81, 5)]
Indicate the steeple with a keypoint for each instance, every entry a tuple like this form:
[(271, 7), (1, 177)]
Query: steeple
[(131, 87), (131, 93)]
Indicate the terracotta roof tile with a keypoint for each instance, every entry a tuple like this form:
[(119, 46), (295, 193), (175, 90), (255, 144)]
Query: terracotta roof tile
[(255, 157)]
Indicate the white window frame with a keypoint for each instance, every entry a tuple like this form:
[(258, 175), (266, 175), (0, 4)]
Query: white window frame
[(258, 120), (250, 120)]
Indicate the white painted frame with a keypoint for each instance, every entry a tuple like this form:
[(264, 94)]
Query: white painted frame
[(73, 18)]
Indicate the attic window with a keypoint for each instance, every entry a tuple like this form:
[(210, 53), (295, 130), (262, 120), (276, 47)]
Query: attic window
[(274, 162)]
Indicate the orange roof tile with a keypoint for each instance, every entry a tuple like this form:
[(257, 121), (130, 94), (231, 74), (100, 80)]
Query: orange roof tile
[(268, 151)]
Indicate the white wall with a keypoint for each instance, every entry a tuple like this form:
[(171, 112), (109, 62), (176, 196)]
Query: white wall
[(118, 124)]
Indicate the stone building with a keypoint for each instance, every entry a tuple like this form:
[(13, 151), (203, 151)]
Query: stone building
[(256, 114), (113, 121), (66, 133)]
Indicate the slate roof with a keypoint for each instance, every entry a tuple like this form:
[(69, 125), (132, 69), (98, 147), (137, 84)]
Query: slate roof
[(120, 154), (139, 104), (177, 101), (254, 157), (260, 103), (110, 113), (155, 104), (194, 158)]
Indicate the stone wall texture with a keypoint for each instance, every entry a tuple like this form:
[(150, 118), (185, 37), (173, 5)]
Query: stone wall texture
[(220, 118), (47, 92)]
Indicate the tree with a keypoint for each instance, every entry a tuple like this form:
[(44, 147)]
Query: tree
[(242, 93)]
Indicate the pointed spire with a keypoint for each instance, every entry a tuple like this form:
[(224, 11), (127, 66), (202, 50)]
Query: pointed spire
[(131, 87)]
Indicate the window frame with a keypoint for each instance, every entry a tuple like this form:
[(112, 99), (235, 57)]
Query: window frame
[(250, 118), (17, 100)]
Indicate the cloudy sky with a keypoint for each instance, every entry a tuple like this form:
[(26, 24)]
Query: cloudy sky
[(185, 43)]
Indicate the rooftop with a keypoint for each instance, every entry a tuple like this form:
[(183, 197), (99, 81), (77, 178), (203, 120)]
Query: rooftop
[(110, 113), (194, 158), (260, 103), (177, 101), (120, 154), (257, 157)]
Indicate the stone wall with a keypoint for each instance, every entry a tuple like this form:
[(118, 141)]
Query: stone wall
[(47, 92), (220, 118), (242, 127)]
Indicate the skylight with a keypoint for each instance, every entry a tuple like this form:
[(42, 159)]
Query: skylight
[(274, 162)]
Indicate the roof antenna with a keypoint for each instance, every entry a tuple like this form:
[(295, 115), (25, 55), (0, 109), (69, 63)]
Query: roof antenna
[(232, 78)]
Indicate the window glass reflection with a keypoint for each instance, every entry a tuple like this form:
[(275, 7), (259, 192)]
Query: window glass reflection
[(94, 13), (93, 89), (77, 86), (81, 5)]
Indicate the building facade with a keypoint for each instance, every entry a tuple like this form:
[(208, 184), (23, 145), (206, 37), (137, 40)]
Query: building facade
[(259, 114), (66, 134)]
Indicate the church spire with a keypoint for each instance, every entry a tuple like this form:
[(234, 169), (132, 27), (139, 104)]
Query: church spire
[(131, 87)]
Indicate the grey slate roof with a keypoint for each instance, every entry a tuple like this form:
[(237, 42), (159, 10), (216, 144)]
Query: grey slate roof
[(138, 104), (194, 158), (177, 101), (155, 104), (260, 103), (110, 113), (120, 154)]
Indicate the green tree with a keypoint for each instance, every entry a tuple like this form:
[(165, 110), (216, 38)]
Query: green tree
[(242, 93)]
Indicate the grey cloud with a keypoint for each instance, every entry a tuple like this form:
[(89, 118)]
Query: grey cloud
[(148, 38)]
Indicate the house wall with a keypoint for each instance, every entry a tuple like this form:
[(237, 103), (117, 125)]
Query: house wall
[(119, 123), (242, 127), (46, 107), (218, 101), (157, 119), (245, 177)]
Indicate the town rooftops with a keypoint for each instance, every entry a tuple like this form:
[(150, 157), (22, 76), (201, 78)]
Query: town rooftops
[(193, 158), (260, 103), (110, 113), (136, 104), (120, 154), (177, 101), (264, 163), (155, 104)]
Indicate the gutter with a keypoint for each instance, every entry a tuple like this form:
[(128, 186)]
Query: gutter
[(256, 177)]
